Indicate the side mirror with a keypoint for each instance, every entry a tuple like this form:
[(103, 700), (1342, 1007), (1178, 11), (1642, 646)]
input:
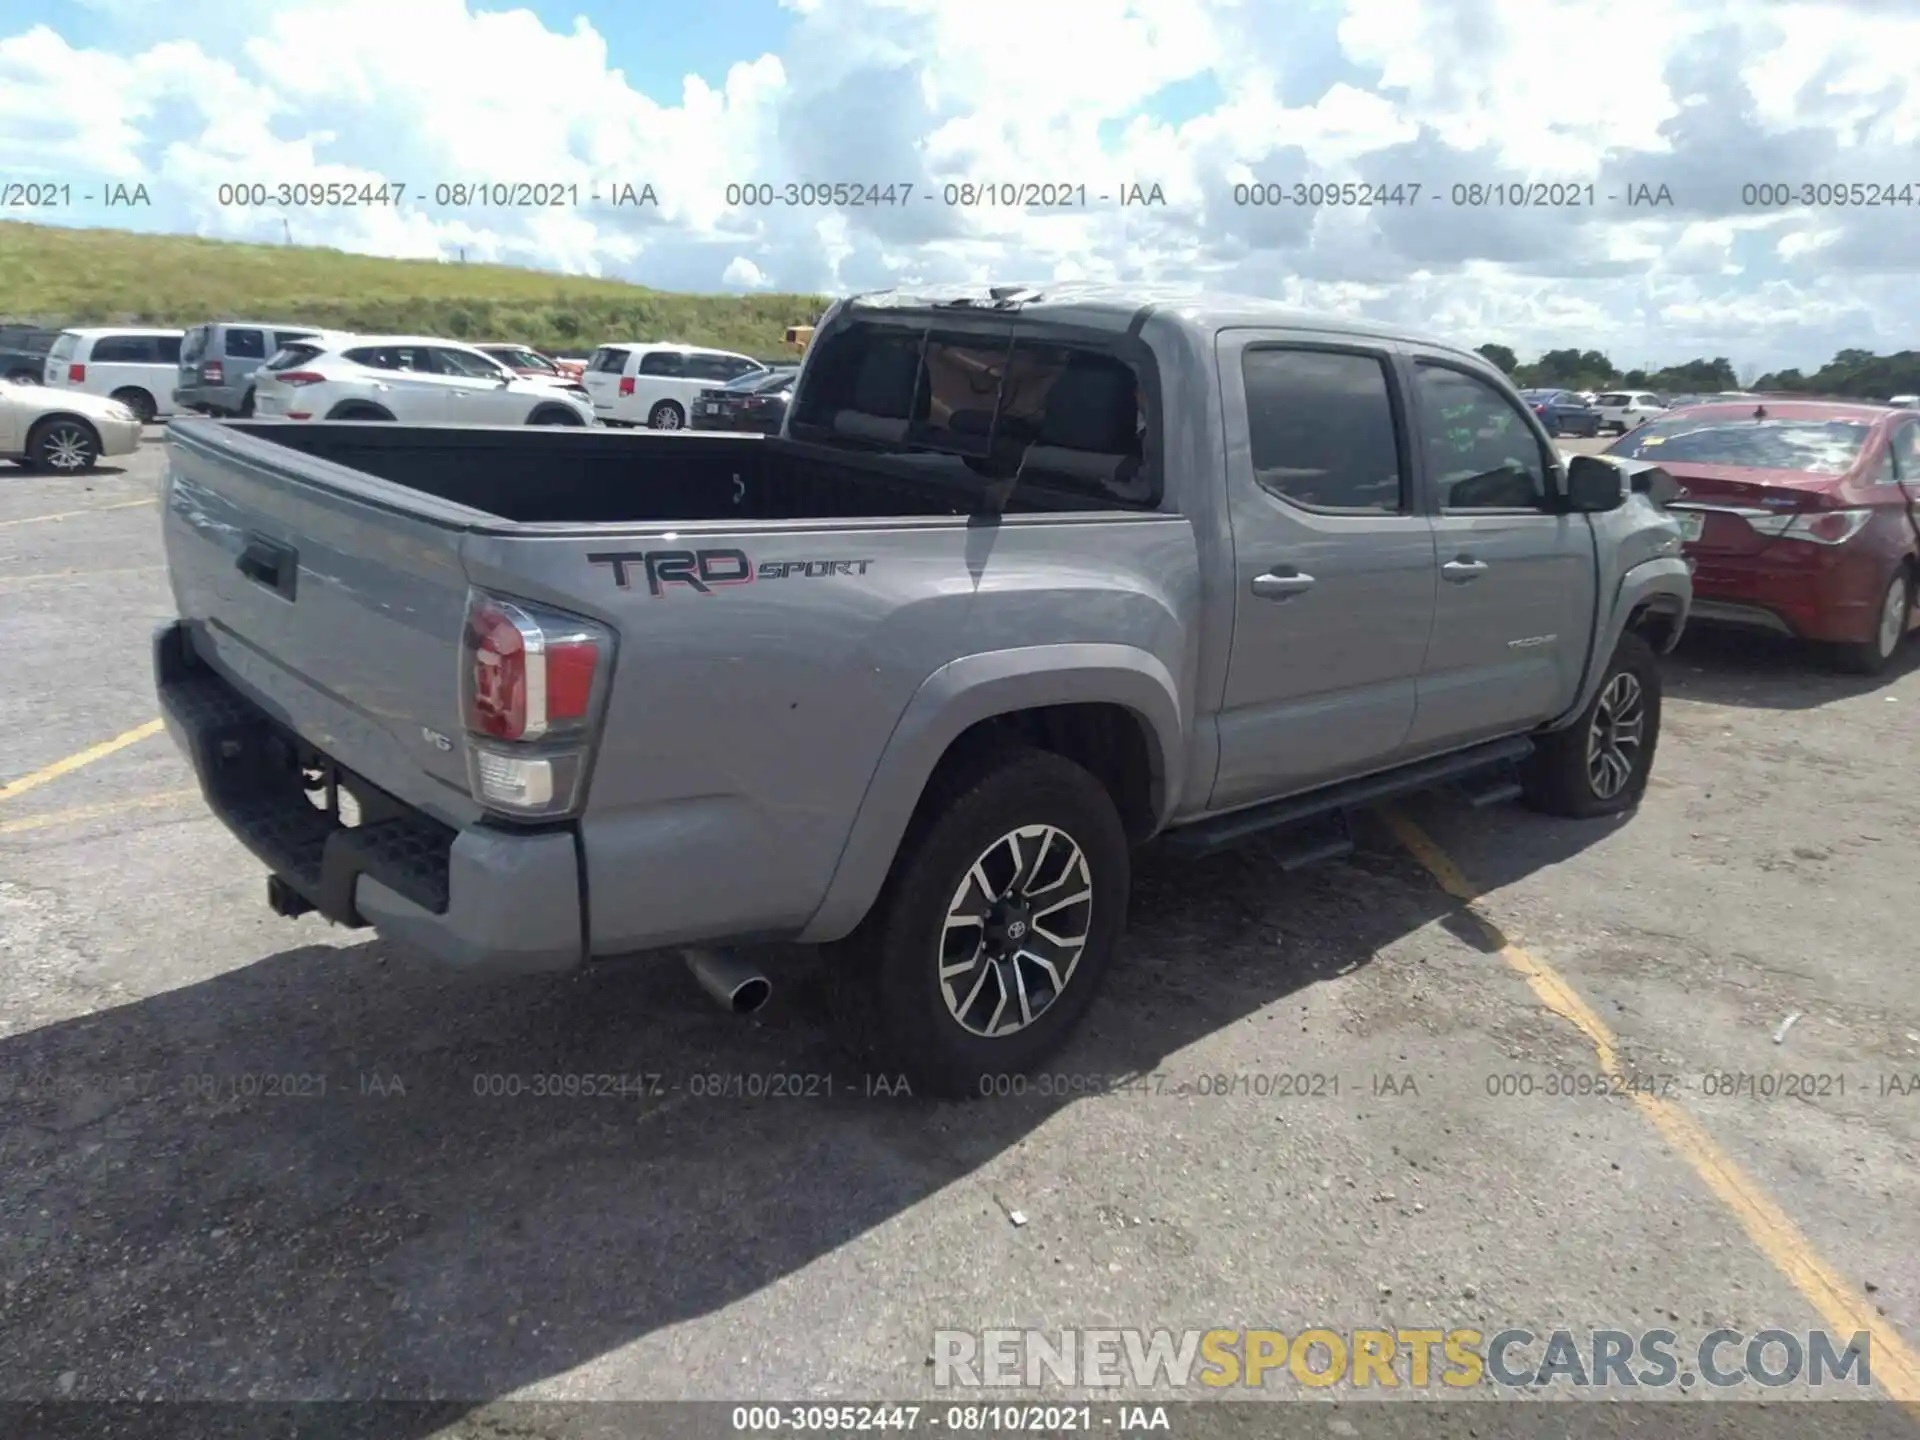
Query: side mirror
[(1594, 485)]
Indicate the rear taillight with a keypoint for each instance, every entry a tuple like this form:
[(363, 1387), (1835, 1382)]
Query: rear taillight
[(214, 373), (1821, 527), (530, 682), (626, 384), (300, 377), (76, 374)]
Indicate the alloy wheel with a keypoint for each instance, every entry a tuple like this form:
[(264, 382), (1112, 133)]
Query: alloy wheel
[(1015, 930), (67, 447), (1615, 735), (1893, 615)]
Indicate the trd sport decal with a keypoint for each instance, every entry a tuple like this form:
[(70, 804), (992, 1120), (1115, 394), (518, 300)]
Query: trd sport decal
[(705, 571)]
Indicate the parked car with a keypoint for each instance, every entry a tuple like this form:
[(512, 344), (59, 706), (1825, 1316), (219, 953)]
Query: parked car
[(1349, 565), (23, 352), (656, 385), (1905, 402), (757, 401), (1803, 518), (1624, 410), (1563, 412), (410, 379), (532, 364), (63, 431), (217, 361), (136, 367)]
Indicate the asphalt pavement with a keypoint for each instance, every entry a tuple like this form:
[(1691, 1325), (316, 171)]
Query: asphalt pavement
[(249, 1158)]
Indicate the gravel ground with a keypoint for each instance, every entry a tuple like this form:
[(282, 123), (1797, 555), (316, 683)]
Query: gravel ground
[(170, 1227)]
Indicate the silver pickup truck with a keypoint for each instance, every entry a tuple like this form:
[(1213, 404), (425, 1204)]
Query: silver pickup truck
[(1028, 580)]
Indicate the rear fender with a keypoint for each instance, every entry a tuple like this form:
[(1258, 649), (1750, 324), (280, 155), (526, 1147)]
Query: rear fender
[(960, 695)]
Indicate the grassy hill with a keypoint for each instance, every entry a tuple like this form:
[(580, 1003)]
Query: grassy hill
[(57, 276)]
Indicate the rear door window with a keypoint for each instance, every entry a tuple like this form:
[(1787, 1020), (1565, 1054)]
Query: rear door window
[(1321, 429), (246, 345), (608, 360), (284, 338), (167, 347), (63, 347), (125, 350), (297, 353), (195, 344)]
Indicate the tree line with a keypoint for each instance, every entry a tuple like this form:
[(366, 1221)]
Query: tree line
[(1855, 374)]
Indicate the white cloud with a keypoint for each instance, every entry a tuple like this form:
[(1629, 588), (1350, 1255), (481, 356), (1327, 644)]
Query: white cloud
[(1703, 98), (743, 274)]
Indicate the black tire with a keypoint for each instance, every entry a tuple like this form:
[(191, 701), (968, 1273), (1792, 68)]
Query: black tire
[(245, 412), (667, 415), (889, 1002), (1872, 656), (1562, 777), (554, 415), (357, 410), (139, 402), (60, 445)]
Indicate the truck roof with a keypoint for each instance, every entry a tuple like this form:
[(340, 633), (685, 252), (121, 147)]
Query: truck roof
[(1108, 306)]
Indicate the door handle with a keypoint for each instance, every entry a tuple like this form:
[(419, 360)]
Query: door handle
[(1275, 585), (271, 564), (1463, 570)]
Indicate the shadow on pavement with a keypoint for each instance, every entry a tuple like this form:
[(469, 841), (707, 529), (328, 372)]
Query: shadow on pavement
[(178, 1223), (1758, 671)]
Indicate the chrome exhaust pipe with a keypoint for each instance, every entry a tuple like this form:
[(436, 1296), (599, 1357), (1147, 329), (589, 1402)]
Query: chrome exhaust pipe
[(737, 984)]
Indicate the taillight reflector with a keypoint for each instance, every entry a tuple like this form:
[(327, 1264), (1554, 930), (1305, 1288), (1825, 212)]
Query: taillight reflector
[(213, 372), (76, 374), (626, 384), (300, 377)]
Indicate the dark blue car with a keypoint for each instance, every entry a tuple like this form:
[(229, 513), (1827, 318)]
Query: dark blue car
[(1563, 412)]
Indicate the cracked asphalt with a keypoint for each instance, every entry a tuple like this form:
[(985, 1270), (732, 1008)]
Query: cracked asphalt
[(249, 1158)]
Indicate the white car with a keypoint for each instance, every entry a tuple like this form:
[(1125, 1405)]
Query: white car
[(1905, 402), (656, 385), (63, 431), (1625, 410), (139, 368), (412, 379)]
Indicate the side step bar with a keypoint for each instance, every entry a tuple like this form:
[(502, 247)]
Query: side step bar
[(1205, 837)]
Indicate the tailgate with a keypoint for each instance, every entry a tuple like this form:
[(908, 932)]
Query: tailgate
[(333, 599)]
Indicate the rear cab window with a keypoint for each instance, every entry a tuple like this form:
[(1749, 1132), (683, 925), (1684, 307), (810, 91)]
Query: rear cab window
[(1063, 425), (194, 345)]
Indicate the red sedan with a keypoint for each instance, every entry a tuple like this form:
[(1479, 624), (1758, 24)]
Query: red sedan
[(1801, 517)]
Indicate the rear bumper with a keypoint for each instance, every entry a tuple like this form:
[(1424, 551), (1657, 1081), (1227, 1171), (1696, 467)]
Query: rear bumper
[(479, 898), (1810, 592)]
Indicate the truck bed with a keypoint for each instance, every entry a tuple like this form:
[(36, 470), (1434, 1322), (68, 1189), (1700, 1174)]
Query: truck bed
[(554, 475)]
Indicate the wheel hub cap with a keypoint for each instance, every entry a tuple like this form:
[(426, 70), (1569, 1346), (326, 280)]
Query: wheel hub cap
[(67, 450), (1015, 930)]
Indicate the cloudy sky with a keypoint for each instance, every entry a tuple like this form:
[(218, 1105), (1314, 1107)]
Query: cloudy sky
[(1213, 101)]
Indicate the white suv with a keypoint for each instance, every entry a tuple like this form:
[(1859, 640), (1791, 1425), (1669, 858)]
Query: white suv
[(656, 385), (1625, 410), (409, 379), (139, 368)]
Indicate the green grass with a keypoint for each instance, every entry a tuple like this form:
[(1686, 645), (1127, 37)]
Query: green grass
[(55, 276)]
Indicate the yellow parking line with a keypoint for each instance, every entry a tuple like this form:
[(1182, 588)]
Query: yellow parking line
[(69, 514), (74, 816), (74, 762), (1895, 1365), (76, 574)]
